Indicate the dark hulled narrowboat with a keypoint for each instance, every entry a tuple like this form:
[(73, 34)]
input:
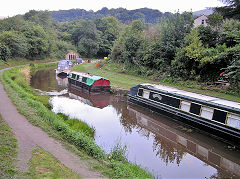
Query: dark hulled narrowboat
[(88, 82), (220, 117)]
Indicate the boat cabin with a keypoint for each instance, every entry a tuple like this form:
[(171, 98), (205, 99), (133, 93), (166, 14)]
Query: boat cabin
[(89, 82), (63, 67), (218, 114)]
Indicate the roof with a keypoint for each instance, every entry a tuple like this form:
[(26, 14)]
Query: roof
[(196, 96), (88, 79)]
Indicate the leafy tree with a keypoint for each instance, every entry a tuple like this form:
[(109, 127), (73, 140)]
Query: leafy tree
[(126, 46), (208, 36), (42, 18), (11, 24), (108, 30), (231, 10), (231, 33), (37, 39), (4, 52), (233, 71), (188, 57), (16, 42), (86, 39), (215, 20)]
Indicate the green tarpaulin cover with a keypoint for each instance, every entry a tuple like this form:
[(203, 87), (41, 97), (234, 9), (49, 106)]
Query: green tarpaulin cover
[(90, 80)]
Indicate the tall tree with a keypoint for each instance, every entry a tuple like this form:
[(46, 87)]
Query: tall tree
[(16, 42), (231, 10), (86, 39), (4, 52)]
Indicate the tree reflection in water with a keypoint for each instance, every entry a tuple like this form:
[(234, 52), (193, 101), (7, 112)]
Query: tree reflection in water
[(163, 147)]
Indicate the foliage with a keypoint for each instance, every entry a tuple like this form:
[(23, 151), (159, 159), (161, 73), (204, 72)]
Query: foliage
[(123, 15), (215, 20), (128, 170), (85, 38), (188, 57), (231, 33), (16, 43), (38, 40), (234, 74), (208, 36), (118, 152), (4, 52), (77, 125), (231, 10), (108, 30)]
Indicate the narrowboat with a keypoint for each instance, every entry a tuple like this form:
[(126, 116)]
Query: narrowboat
[(88, 82), (220, 117), (63, 68)]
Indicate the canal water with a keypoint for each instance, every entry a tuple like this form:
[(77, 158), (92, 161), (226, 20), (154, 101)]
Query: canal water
[(165, 147)]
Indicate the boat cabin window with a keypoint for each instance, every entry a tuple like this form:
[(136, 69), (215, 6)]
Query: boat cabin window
[(185, 106), (207, 112), (233, 120), (73, 76), (77, 77), (146, 94)]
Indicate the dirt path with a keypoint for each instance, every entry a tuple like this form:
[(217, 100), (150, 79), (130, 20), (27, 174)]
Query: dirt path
[(30, 137)]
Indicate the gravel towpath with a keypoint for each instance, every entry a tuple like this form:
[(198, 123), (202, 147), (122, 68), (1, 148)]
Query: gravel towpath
[(30, 137)]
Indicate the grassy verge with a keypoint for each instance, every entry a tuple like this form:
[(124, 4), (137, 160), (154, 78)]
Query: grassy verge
[(125, 81), (8, 151), (17, 62), (44, 165), (38, 114)]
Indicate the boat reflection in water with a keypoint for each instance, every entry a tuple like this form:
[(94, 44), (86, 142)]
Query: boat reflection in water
[(212, 152), (62, 80), (92, 99)]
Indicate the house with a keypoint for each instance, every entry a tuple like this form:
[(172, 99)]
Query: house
[(71, 56), (200, 21)]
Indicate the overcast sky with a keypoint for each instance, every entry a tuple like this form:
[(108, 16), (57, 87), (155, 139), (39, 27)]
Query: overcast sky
[(14, 7)]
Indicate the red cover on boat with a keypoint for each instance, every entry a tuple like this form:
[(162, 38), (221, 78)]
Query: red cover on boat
[(101, 82)]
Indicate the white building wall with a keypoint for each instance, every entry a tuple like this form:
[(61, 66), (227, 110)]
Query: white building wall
[(200, 21)]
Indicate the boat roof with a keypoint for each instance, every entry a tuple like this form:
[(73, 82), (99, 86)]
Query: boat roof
[(81, 74), (92, 77), (196, 96)]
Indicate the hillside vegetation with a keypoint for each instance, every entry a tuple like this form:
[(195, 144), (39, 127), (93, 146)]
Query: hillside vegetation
[(121, 14), (167, 49)]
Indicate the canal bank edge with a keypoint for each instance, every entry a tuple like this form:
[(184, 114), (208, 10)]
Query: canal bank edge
[(38, 138), (113, 165)]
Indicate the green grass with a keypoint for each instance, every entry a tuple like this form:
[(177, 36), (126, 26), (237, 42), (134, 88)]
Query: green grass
[(44, 165), (39, 115), (20, 61), (8, 151), (117, 79), (121, 80), (77, 125)]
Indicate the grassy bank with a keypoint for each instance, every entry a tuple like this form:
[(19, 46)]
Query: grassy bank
[(30, 104), (8, 151), (120, 79), (17, 62)]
